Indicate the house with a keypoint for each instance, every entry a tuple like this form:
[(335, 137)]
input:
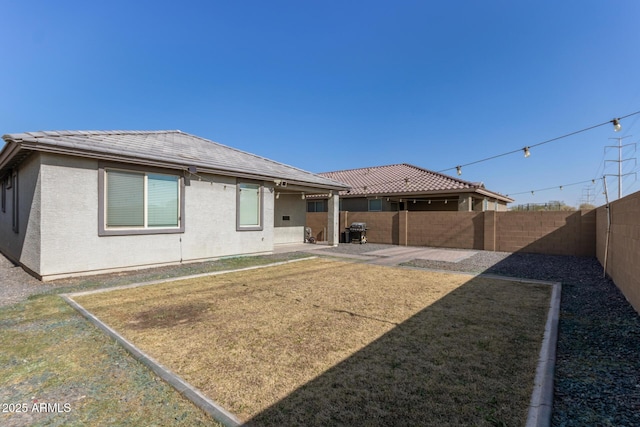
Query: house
[(402, 187), (84, 202)]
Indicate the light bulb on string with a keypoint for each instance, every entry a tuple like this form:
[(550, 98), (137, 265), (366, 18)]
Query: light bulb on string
[(616, 125)]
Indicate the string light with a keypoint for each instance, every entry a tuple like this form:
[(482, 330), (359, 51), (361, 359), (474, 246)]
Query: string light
[(616, 127), (526, 150)]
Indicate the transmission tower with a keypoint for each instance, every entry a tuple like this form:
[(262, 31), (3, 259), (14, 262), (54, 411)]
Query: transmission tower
[(620, 161), (588, 194)]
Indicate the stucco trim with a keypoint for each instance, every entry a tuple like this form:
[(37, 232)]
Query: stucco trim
[(103, 231)]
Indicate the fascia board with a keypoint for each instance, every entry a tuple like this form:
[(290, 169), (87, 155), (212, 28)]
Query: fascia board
[(168, 165)]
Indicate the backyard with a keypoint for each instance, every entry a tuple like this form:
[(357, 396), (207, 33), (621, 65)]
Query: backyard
[(323, 342), (51, 354)]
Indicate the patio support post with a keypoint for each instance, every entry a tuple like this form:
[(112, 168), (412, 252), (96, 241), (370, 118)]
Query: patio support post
[(333, 220)]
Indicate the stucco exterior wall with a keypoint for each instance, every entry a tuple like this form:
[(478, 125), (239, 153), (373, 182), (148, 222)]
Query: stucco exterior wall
[(23, 246), (70, 241), (289, 230)]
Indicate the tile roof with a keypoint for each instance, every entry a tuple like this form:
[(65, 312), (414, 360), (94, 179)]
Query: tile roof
[(172, 148), (401, 179)]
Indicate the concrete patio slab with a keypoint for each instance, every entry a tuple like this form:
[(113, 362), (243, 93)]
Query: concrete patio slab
[(392, 256), (446, 255)]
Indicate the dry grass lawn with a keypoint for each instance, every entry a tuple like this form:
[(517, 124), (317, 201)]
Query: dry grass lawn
[(322, 342)]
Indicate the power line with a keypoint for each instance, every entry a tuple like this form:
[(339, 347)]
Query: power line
[(555, 187)]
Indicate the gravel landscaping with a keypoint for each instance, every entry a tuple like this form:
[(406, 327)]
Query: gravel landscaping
[(597, 378)]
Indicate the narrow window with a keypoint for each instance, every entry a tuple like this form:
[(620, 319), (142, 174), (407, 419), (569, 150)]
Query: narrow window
[(249, 208), (4, 195), (14, 185)]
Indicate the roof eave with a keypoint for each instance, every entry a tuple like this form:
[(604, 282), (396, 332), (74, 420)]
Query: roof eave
[(19, 145), (410, 194), (11, 155)]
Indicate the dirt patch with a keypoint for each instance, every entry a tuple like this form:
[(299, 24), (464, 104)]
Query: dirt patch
[(166, 317)]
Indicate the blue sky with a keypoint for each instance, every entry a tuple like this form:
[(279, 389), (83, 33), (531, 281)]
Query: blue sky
[(336, 85)]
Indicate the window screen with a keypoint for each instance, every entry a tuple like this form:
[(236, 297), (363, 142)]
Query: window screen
[(162, 200), (125, 199), (249, 205)]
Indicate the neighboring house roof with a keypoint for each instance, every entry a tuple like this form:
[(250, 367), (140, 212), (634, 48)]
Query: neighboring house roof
[(404, 179), (173, 149)]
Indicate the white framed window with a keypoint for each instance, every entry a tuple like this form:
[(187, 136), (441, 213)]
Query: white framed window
[(140, 202), (249, 211), (375, 205)]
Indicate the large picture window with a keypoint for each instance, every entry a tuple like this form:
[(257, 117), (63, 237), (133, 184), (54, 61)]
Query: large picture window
[(249, 206), (134, 202)]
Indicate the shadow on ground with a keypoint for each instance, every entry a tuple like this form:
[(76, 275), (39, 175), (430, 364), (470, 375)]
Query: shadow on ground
[(467, 359)]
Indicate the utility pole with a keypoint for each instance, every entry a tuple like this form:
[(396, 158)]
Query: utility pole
[(620, 161)]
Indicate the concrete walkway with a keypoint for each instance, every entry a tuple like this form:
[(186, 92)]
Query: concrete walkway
[(391, 255), (400, 254)]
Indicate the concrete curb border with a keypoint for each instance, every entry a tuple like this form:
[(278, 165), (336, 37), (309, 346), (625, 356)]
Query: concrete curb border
[(214, 410), (541, 404)]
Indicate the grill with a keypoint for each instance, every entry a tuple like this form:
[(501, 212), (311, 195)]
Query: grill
[(358, 232)]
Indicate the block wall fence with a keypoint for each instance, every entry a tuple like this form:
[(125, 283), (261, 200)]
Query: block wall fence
[(559, 233), (621, 245), (577, 233)]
